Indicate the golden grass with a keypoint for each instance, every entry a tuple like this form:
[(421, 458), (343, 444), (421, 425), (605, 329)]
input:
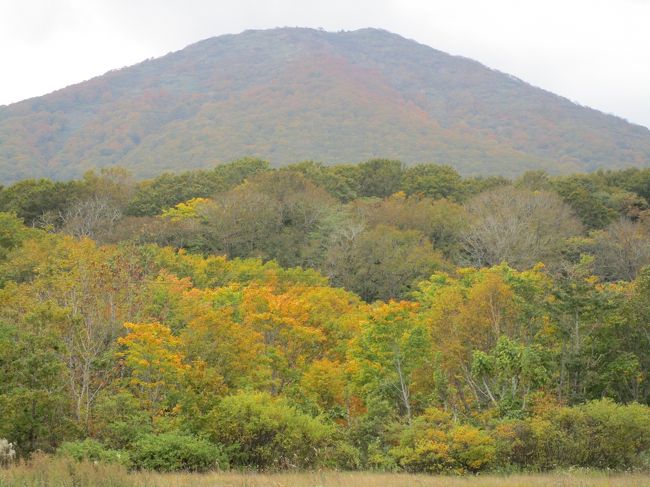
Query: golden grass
[(45, 471), (335, 479)]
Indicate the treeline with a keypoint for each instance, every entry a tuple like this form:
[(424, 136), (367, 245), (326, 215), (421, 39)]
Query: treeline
[(375, 228), (263, 320)]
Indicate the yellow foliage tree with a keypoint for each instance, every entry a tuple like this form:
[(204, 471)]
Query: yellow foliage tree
[(154, 358)]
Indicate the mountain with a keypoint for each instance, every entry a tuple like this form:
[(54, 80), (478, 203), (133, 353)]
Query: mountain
[(291, 94)]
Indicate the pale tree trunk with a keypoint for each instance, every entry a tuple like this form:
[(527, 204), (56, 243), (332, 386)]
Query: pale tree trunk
[(404, 391)]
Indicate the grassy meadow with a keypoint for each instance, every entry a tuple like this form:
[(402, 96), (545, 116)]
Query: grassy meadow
[(45, 471), (355, 479)]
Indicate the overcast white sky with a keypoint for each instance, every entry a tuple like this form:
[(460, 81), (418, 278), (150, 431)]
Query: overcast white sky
[(595, 52)]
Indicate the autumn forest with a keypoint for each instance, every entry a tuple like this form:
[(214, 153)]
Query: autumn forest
[(366, 316)]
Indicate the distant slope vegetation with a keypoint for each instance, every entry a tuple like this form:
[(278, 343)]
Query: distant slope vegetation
[(292, 94)]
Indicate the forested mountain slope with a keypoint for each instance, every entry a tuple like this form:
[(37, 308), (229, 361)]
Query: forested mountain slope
[(290, 94)]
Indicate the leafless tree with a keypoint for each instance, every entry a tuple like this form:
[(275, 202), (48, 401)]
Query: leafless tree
[(621, 250), (520, 227), (91, 217)]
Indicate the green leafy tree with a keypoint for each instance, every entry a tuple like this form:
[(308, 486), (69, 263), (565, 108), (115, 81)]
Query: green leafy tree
[(379, 177), (167, 190), (587, 199), (508, 374), (382, 262), (12, 233), (390, 352), (33, 400), (433, 181)]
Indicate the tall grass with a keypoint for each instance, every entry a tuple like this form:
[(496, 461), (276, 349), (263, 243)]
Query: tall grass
[(44, 471), (336, 479)]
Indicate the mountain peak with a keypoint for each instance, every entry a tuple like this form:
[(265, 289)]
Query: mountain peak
[(293, 93)]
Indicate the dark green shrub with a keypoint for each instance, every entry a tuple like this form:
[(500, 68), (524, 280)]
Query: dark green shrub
[(265, 432), (119, 419), (599, 434), (342, 455), (93, 451), (172, 452), (603, 434)]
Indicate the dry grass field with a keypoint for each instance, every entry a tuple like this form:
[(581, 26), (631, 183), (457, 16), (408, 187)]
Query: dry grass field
[(45, 471), (332, 479)]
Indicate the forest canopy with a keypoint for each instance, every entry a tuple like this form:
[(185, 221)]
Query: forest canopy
[(365, 316)]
